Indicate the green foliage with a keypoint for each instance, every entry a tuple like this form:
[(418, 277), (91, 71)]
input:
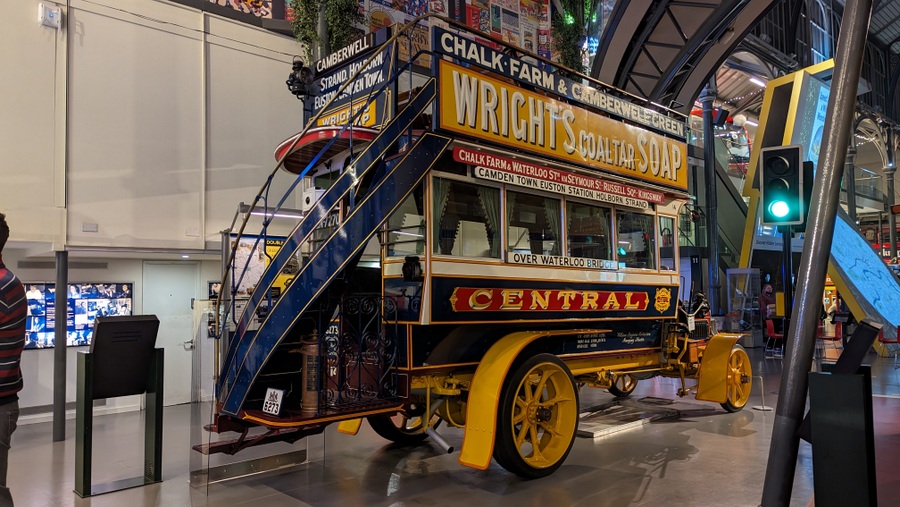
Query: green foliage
[(568, 39), (305, 25), (569, 30), (341, 18)]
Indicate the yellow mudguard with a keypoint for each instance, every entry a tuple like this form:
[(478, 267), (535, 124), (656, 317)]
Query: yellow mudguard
[(350, 426), (711, 384), (484, 395)]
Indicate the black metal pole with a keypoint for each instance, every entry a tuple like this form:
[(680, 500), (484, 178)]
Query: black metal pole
[(60, 314), (787, 274), (889, 170), (712, 223), (785, 443), (850, 178)]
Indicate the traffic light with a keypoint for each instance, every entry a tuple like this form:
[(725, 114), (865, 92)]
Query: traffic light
[(781, 185)]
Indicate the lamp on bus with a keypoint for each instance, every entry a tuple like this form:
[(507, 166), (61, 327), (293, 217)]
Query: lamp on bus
[(300, 80), (412, 268)]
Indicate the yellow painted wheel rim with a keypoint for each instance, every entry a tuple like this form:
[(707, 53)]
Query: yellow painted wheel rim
[(544, 415), (625, 383), (738, 378)]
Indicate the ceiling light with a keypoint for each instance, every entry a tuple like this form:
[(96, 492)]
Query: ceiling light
[(185, 256), (751, 123), (757, 81)]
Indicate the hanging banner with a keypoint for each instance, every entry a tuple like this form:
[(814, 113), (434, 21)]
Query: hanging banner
[(486, 108), (525, 174), (457, 46)]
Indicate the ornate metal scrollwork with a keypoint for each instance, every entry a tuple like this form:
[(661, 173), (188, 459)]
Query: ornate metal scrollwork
[(360, 349)]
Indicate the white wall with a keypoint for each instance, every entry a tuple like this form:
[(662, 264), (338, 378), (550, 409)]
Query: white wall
[(148, 118), (37, 365)]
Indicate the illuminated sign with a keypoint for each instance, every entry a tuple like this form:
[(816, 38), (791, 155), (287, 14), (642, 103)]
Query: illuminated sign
[(475, 105), (470, 299), (524, 174), (454, 45)]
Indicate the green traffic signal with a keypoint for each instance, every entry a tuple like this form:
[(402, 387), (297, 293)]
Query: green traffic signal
[(779, 209), (781, 185)]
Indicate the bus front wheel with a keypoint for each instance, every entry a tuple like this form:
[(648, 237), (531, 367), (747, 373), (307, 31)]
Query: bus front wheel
[(537, 417), (738, 379)]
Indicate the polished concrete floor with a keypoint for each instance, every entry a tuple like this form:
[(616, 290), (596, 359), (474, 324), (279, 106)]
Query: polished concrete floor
[(707, 457)]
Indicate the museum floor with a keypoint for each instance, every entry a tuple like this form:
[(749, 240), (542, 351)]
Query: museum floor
[(706, 458)]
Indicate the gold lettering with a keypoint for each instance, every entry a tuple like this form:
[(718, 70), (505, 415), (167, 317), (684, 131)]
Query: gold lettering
[(629, 304), (539, 299), (590, 300), (473, 299), (512, 300), (566, 296), (611, 302)]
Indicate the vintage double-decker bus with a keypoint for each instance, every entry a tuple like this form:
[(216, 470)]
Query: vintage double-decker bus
[(487, 235)]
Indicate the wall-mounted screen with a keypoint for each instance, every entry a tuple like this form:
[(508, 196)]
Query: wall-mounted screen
[(85, 302)]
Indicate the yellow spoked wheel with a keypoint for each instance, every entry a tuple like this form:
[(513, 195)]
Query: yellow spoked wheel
[(738, 380), (623, 385), (537, 417)]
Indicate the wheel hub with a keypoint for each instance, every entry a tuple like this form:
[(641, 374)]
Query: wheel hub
[(543, 414)]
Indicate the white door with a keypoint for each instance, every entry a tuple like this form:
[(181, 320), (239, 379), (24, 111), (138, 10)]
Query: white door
[(167, 292)]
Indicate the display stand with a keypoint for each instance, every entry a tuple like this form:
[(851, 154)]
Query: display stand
[(123, 361), (840, 426)]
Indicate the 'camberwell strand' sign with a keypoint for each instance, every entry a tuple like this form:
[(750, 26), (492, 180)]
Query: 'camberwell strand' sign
[(337, 68), (468, 51), (476, 105)]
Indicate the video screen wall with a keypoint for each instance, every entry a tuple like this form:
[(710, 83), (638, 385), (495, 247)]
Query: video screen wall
[(85, 302)]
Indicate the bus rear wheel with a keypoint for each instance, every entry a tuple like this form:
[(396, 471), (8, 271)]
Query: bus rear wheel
[(738, 380), (537, 417), (401, 428), (623, 385)]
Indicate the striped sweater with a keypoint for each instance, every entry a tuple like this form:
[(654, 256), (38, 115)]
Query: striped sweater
[(13, 309)]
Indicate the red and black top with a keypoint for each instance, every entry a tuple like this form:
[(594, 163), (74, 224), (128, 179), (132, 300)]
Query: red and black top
[(13, 310)]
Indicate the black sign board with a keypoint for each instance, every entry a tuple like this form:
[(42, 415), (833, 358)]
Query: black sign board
[(123, 351)]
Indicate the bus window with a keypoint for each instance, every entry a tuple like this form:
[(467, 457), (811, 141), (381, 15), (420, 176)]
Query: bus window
[(667, 243), (588, 228), (636, 239), (466, 219), (533, 224), (406, 227)]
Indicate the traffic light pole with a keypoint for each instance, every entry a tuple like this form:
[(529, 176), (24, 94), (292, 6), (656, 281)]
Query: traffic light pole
[(712, 222), (787, 273), (785, 443), (889, 169)]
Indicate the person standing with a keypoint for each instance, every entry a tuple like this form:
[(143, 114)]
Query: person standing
[(13, 310), (765, 299)]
